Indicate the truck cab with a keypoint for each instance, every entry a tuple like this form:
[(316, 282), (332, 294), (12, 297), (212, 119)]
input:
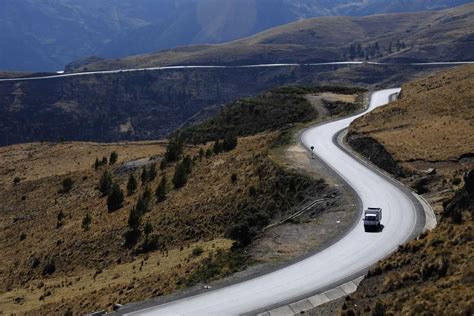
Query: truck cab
[(372, 218)]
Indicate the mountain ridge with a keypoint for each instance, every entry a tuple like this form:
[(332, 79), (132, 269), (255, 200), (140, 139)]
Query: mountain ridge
[(400, 37), (117, 28)]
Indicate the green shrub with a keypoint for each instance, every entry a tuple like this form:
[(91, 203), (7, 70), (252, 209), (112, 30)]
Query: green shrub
[(182, 170), (144, 176), (105, 183), (115, 198), (113, 158), (49, 268), (217, 148), (86, 222), (174, 149), (66, 185), (230, 142), (160, 192), (132, 185), (197, 251)]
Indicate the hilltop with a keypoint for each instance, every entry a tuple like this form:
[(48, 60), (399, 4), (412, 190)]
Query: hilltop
[(409, 37)]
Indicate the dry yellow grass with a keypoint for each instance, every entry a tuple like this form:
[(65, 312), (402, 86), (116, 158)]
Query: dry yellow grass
[(35, 161), (197, 214), (433, 121)]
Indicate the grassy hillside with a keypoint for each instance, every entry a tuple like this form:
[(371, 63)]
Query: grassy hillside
[(430, 125), (66, 249), (426, 36), (426, 139)]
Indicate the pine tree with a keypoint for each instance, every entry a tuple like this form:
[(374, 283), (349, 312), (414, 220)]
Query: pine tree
[(113, 158), (217, 148), (86, 222), (160, 192), (144, 176), (144, 202), (66, 185), (131, 185), (152, 173), (115, 198), (174, 149), (230, 142), (105, 183), (97, 164), (180, 176)]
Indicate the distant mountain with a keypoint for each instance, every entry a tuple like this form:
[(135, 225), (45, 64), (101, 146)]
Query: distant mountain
[(446, 35), (45, 34)]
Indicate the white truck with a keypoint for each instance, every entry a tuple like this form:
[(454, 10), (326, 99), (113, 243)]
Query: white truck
[(372, 218)]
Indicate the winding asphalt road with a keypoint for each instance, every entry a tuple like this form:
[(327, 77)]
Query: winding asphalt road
[(348, 257)]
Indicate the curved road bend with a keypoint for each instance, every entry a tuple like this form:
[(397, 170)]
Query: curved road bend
[(349, 257)]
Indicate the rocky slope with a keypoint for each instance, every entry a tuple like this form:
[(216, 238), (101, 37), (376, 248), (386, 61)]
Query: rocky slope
[(151, 104), (428, 134)]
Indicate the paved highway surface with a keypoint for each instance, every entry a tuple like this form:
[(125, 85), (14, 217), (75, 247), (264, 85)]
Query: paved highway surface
[(65, 75), (347, 258)]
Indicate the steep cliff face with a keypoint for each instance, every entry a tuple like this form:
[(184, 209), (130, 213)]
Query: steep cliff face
[(376, 153), (151, 104)]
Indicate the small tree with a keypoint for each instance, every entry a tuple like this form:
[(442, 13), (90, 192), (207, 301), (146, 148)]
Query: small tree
[(201, 153), (105, 183), (144, 177), (60, 219), (97, 164), (174, 149), (113, 158), (230, 142), (143, 202), (148, 229), (180, 176), (217, 148), (187, 164), (133, 233), (16, 181), (86, 222), (115, 198), (209, 152), (152, 173), (66, 185), (160, 192), (104, 161), (163, 165), (131, 185)]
